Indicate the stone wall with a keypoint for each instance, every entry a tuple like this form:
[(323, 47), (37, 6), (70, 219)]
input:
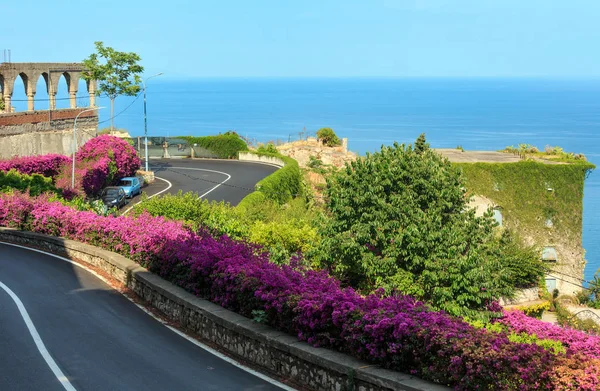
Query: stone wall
[(252, 157), (302, 151), (42, 132), (274, 352)]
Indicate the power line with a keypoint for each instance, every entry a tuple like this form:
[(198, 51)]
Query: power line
[(122, 111)]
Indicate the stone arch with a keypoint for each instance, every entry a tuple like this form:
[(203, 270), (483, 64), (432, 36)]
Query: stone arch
[(60, 90), (51, 72), (25, 79), (42, 94)]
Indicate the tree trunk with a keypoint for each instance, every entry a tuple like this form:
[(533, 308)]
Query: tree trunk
[(112, 115)]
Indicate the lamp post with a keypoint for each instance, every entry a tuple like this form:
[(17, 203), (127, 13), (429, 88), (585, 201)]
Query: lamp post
[(75, 143), (146, 121)]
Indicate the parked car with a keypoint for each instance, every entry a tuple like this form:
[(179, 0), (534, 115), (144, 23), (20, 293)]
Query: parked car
[(114, 196), (131, 186)]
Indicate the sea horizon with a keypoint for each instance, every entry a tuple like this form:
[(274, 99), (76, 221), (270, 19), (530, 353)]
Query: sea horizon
[(476, 113)]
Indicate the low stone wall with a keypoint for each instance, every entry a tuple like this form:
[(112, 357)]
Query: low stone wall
[(43, 132), (253, 157), (273, 351), (147, 176), (522, 296)]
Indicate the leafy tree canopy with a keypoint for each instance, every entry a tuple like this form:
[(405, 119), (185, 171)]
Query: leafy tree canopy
[(117, 73), (328, 136), (399, 219)]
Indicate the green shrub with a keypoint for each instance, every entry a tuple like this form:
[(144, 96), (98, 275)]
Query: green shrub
[(36, 184), (281, 186), (225, 146), (218, 217), (267, 149), (284, 184), (328, 137), (253, 201), (314, 162), (283, 239), (282, 230), (399, 219)]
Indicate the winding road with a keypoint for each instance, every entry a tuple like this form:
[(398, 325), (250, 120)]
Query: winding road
[(64, 328), (219, 180)]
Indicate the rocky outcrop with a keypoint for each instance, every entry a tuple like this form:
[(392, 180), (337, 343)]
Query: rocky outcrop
[(332, 156)]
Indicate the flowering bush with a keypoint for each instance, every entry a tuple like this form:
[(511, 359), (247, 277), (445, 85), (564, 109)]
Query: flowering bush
[(99, 162), (119, 150), (90, 176), (396, 332), (46, 165), (574, 340)]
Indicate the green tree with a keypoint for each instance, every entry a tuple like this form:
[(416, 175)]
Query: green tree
[(328, 136), (399, 219), (1, 103), (117, 73), (421, 144)]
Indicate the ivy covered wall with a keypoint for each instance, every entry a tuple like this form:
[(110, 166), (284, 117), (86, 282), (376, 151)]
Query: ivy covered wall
[(543, 202)]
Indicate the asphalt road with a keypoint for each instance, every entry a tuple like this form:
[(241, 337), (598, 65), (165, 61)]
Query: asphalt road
[(95, 336), (219, 180)]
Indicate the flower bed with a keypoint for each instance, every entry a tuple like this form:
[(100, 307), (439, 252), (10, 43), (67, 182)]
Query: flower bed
[(574, 340), (99, 162), (394, 332), (46, 165)]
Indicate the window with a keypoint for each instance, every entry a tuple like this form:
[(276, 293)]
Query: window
[(549, 254), (550, 284), (498, 215)]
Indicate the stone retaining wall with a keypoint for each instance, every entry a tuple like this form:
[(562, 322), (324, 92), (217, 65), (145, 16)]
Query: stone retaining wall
[(273, 351), (43, 132), (253, 157)]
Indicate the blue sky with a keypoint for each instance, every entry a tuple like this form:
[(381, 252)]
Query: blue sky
[(308, 38)]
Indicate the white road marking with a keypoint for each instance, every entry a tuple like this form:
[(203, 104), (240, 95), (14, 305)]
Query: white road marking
[(203, 169), (190, 339), (170, 185), (38, 340), (153, 195)]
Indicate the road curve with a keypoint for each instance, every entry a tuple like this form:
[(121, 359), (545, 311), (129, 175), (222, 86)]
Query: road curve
[(219, 180), (98, 338)]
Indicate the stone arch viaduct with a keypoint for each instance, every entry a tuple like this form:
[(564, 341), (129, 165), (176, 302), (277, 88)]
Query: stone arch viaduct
[(30, 72)]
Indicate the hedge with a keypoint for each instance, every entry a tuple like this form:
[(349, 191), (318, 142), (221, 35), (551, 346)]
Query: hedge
[(225, 146), (281, 186)]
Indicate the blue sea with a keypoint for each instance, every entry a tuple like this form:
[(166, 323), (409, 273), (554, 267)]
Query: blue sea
[(478, 114)]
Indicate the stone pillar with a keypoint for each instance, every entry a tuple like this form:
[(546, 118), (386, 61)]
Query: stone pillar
[(52, 97), (7, 106), (73, 99), (92, 92), (30, 102)]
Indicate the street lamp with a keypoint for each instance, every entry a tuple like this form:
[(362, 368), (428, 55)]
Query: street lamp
[(146, 121), (75, 143)]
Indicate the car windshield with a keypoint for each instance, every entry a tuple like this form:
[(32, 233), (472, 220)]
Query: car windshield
[(111, 192), (127, 182)]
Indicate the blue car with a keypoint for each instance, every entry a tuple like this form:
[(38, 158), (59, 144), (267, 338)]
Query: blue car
[(131, 186)]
